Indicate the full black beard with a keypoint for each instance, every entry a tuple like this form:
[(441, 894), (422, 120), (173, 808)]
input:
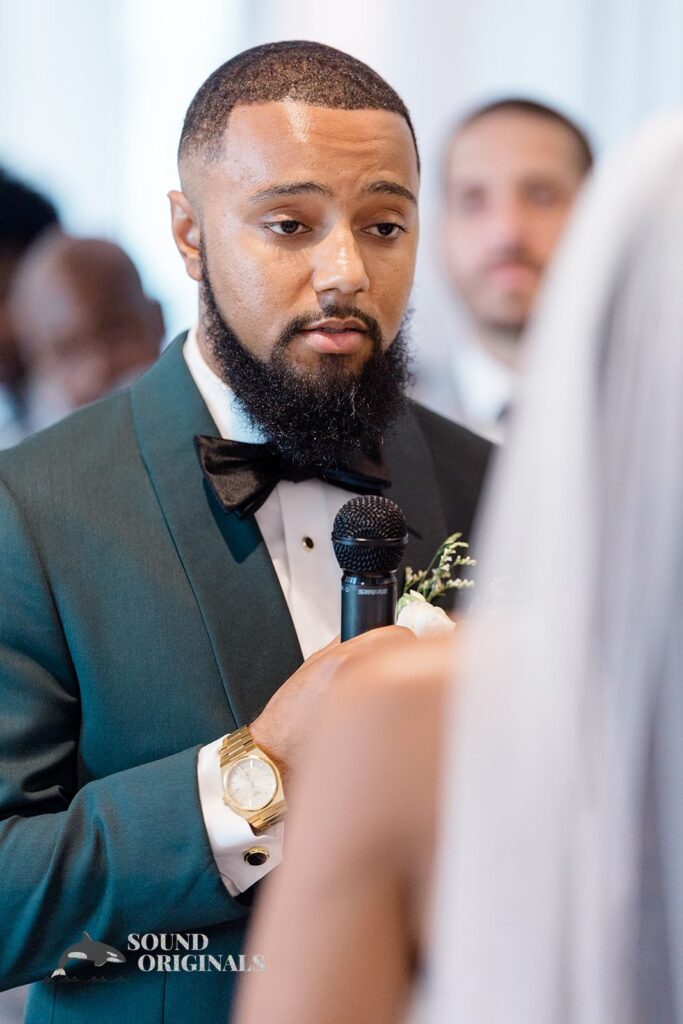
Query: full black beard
[(323, 417)]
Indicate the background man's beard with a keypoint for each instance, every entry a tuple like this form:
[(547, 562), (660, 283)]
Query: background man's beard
[(320, 417)]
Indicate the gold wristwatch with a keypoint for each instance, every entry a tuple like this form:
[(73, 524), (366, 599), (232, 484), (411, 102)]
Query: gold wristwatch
[(252, 785)]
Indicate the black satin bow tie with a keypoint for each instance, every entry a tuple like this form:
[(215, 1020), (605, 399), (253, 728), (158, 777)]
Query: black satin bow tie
[(242, 476)]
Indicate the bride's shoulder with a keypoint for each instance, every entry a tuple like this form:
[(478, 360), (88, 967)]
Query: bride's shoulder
[(412, 672), (380, 736)]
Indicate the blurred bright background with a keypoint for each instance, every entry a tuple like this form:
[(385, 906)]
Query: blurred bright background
[(94, 93)]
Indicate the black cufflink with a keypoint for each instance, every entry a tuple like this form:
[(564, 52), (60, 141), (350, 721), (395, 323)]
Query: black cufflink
[(256, 856)]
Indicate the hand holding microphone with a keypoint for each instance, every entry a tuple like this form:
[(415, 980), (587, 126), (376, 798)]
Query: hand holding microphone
[(369, 539)]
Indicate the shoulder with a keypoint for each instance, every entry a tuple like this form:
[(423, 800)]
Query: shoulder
[(460, 459), (389, 684), (444, 435), (74, 454), (383, 720)]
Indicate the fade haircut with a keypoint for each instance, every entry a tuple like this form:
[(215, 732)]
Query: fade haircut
[(520, 105), (309, 72)]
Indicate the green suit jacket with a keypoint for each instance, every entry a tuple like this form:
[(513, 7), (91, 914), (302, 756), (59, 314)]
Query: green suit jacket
[(137, 622)]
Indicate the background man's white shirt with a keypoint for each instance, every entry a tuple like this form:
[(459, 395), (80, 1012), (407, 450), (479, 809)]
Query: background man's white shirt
[(484, 388), (471, 387), (11, 431)]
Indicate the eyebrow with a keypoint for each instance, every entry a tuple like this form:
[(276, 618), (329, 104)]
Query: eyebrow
[(391, 188), (294, 188), (298, 188)]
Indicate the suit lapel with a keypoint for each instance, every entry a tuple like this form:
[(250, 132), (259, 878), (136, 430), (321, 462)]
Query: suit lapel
[(225, 559), (415, 488)]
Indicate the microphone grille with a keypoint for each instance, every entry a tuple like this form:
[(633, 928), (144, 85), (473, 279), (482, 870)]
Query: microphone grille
[(370, 534)]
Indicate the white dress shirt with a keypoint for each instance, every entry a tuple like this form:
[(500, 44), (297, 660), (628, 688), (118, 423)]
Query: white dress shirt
[(485, 389), (11, 431), (470, 386), (296, 523)]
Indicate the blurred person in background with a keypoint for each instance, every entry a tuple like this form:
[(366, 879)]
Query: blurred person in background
[(83, 324), (24, 215), (511, 173)]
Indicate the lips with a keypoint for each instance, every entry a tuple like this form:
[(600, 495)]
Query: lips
[(340, 338), (337, 327), (334, 330), (512, 265), (512, 274)]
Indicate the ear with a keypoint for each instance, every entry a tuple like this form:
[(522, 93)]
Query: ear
[(186, 232)]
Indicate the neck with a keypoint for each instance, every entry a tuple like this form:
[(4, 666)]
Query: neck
[(203, 347), (502, 343)]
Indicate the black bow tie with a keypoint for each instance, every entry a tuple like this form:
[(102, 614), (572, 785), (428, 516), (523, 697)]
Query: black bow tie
[(242, 476)]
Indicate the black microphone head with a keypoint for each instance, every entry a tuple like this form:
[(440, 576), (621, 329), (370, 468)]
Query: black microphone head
[(370, 534)]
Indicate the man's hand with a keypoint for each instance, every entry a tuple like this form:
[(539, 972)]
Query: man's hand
[(282, 729)]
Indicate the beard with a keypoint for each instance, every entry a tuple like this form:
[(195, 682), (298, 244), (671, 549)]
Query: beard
[(314, 418)]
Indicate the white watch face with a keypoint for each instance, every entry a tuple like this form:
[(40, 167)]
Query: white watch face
[(251, 783)]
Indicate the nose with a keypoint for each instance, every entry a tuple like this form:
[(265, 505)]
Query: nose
[(506, 223), (339, 265)]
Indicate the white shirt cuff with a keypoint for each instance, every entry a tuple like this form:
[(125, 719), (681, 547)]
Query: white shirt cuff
[(229, 834)]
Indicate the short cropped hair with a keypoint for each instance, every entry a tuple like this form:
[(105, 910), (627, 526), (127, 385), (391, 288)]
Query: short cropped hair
[(521, 105), (24, 214), (298, 70)]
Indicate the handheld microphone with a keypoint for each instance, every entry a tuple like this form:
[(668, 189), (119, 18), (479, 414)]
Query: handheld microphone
[(369, 536)]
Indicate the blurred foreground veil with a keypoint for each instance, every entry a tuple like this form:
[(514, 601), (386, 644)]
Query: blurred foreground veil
[(560, 867)]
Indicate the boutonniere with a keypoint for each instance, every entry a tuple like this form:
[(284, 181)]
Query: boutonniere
[(415, 609)]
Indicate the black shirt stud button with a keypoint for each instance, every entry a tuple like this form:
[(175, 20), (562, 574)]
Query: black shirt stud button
[(307, 542)]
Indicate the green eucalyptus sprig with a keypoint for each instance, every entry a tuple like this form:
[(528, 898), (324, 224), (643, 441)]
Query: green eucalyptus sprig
[(437, 578)]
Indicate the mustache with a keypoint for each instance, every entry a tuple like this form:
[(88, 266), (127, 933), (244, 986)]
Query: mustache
[(332, 311), (513, 254)]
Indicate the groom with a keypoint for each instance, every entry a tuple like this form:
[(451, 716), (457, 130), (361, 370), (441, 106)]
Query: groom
[(166, 565)]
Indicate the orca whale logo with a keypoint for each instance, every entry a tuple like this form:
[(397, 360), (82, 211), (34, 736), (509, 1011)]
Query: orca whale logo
[(98, 953)]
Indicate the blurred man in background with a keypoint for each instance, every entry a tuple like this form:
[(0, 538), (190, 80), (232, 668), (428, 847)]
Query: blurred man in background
[(24, 215), (83, 323), (511, 173)]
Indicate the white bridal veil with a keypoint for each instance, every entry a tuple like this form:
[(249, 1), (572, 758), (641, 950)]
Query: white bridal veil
[(560, 876)]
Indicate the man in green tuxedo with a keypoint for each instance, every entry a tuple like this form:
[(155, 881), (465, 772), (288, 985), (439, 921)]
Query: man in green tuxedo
[(166, 571)]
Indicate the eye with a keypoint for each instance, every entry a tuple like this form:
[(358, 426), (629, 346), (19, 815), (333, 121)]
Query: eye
[(540, 194), (469, 201), (386, 230), (287, 227)]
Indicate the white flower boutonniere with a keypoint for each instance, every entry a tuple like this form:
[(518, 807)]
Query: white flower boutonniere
[(415, 609)]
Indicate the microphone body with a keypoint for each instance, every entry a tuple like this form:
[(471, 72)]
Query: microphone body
[(368, 602), (369, 537)]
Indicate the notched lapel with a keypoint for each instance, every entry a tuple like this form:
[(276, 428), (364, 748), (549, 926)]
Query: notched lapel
[(241, 535), (225, 559)]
